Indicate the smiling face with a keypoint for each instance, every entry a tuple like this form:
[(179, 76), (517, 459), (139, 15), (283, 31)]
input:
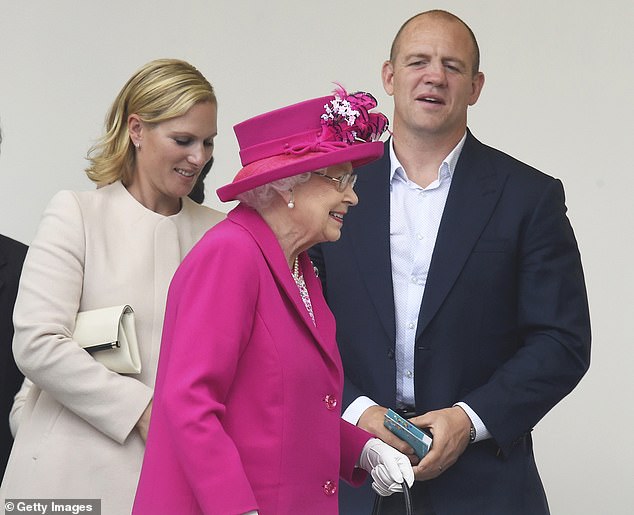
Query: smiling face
[(320, 208), (432, 79), (170, 156)]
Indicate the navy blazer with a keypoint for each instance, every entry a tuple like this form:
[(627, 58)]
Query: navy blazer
[(11, 258), (503, 326)]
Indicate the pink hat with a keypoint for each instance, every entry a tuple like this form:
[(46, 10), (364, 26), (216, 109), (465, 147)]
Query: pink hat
[(305, 137)]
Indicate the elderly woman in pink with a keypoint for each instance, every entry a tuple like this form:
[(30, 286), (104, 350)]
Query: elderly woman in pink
[(246, 413)]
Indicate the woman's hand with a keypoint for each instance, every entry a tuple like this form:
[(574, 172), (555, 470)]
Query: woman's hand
[(143, 425), (388, 467)]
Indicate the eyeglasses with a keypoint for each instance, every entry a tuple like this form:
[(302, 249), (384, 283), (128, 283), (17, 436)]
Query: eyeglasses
[(345, 180)]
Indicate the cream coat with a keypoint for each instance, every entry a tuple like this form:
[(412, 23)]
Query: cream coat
[(77, 436)]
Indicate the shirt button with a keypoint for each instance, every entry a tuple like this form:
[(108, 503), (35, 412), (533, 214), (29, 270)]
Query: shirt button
[(408, 374), (420, 236), (411, 325), (331, 402), (330, 488)]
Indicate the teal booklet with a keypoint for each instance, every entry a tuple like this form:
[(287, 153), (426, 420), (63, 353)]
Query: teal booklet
[(418, 439)]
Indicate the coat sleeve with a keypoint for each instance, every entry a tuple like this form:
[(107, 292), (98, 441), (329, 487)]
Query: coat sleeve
[(47, 304), (352, 441), (18, 405), (553, 323), (210, 310)]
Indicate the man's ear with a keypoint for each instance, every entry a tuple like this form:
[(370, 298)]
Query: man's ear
[(387, 76), (476, 87)]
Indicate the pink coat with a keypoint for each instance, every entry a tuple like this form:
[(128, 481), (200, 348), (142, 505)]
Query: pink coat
[(247, 403)]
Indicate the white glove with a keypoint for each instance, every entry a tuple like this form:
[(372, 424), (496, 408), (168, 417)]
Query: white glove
[(388, 467)]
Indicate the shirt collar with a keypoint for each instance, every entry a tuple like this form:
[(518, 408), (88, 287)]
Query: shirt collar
[(448, 165)]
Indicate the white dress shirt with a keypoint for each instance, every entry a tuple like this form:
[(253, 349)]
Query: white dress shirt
[(415, 214)]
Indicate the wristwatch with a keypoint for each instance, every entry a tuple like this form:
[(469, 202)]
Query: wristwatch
[(472, 434)]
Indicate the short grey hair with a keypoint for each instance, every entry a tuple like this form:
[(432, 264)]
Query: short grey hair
[(262, 196)]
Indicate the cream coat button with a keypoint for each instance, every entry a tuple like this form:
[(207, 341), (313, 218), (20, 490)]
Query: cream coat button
[(331, 402), (330, 488)]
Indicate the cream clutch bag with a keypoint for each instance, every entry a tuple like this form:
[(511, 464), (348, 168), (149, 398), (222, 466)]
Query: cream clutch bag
[(109, 335)]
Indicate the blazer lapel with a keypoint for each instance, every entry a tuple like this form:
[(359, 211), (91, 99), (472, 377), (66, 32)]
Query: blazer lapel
[(369, 234), (475, 190), (273, 254)]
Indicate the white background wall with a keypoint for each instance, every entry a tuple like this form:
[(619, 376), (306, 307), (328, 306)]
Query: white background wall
[(558, 95)]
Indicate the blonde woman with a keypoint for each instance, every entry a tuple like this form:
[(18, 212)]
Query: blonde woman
[(82, 429)]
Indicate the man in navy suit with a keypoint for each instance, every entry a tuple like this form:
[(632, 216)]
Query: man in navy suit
[(11, 258), (458, 289)]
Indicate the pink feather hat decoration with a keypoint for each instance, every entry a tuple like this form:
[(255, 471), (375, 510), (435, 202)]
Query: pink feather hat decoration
[(305, 137)]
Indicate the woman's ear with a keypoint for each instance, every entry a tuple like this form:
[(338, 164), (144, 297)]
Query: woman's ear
[(135, 129), (287, 196)]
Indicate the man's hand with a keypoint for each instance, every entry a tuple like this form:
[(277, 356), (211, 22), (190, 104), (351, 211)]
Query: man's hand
[(372, 421), (450, 429)]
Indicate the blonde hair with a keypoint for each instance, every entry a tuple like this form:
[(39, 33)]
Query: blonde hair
[(161, 90)]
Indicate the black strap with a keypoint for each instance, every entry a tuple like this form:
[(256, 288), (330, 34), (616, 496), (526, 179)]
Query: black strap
[(376, 509)]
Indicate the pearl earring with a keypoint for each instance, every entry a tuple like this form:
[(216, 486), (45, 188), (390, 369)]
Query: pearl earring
[(291, 204)]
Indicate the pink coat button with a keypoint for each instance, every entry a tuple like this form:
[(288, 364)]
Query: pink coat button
[(331, 401), (330, 488)]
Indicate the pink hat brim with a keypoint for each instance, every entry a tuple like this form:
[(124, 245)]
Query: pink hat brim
[(280, 167)]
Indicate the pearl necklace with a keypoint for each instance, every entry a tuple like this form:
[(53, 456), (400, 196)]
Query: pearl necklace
[(303, 291)]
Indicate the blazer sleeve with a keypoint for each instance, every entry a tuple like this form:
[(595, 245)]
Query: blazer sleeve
[(209, 320), (352, 441), (46, 307), (553, 324)]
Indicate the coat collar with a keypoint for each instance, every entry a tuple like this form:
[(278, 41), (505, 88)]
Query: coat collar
[(324, 330), (474, 193)]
